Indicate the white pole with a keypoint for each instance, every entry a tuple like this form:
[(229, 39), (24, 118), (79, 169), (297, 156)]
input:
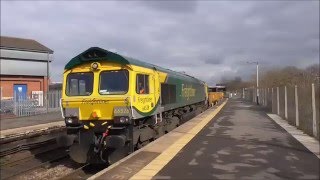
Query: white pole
[(257, 83), (297, 104), (243, 95), (263, 96), (314, 112), (253, 94), (285, 102), (267, 94), (47, 102), (272, 100), (278, 101)]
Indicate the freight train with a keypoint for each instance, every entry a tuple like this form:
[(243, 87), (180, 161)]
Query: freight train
[(115, 104), (216, 93)]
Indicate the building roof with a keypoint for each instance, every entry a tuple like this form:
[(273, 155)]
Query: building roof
[(22, 44)]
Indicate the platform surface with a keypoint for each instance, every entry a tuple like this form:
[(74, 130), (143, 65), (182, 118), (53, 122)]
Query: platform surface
[(237, 141), (25, 121), (130, 165), (242, 142), (15, 127)]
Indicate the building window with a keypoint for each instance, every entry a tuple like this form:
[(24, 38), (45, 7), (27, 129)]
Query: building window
[(142, 86)]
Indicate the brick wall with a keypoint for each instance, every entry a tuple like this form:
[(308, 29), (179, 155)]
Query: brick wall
[(33, 83)]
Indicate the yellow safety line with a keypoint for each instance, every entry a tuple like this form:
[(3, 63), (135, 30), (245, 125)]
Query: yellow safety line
[(166, 156)]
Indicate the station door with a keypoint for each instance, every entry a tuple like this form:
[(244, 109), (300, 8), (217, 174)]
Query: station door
[(20, 91)]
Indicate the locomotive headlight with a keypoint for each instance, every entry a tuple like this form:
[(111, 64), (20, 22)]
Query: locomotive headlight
[(69, 121), (122, 120), (72, 120), (94, 66)]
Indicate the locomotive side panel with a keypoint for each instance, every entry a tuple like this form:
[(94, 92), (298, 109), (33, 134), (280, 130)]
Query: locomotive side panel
[(145, 91), (187, 91)]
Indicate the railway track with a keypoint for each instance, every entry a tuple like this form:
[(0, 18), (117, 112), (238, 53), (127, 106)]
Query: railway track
[(23, 165), (21, 147), (22, 156), (41, 158)]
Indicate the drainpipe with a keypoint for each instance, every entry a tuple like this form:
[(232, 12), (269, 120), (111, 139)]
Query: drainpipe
[(47, 94)]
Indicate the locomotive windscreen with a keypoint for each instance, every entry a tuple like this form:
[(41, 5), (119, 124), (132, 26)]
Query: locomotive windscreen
[(79, 84), (114, 82)]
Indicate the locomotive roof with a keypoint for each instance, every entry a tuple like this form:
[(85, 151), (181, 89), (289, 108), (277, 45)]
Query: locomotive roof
[(99, 54)]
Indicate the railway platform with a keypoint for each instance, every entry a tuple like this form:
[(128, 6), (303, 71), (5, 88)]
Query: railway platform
[(236, 140), (13, 127)]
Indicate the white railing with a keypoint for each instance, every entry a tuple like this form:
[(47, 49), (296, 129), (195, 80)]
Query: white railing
[(23, 105), (298, 104)]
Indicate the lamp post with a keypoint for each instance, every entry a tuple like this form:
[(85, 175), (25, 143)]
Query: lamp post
[(257, 63)]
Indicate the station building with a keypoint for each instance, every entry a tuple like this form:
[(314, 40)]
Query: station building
[(23, 67)]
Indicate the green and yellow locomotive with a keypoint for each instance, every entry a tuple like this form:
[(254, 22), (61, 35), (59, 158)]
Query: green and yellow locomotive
[(114, 104)]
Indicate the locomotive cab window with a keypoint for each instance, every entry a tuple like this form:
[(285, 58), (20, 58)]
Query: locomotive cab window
[(114, 82), (221, 89), (79, 84), (142, 86), (212, 90)]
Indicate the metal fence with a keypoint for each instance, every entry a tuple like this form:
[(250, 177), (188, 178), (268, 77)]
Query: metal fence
[(299, 105), (37, 103)]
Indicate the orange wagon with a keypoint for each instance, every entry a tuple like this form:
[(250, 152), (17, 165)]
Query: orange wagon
[(215, 93)]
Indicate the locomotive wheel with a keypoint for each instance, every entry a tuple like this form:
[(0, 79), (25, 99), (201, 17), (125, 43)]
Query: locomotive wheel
[(115, 155), (79, 153)]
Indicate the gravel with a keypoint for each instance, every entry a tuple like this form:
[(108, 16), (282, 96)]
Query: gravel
[(55, 170)]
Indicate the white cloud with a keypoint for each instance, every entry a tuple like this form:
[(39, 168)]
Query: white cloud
[(206, 39)]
